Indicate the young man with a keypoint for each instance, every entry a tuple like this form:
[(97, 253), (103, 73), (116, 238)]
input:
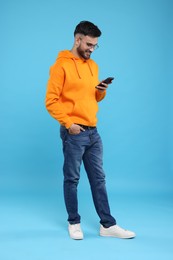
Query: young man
[(72, 99)]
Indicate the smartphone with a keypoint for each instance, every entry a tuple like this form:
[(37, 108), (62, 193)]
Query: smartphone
[(107, 81)]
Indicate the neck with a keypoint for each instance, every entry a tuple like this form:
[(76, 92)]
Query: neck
[(75, 53)]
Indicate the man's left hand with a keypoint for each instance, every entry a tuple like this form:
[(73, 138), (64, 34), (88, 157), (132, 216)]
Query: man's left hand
[(102, 87)]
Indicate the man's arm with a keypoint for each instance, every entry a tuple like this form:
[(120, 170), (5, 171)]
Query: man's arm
[(101, 92), (54, 90)]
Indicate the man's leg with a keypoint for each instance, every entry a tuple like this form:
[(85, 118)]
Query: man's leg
[(93, 163), (73, 153)]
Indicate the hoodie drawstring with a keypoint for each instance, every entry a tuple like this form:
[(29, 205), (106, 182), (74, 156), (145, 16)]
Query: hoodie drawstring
[(78, 70), (89, 68), (76, 67)]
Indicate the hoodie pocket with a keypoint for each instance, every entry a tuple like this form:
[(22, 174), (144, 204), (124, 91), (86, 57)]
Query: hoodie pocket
[(86, 109)]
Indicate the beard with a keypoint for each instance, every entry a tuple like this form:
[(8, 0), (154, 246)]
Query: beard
[(84, 54)]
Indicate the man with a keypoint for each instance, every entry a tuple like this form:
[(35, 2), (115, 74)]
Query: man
[(72, 99)]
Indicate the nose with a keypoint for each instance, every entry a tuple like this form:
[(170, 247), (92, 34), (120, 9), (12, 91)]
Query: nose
[(91, 48)]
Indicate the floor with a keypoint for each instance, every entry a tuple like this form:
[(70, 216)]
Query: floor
[(33, 226)]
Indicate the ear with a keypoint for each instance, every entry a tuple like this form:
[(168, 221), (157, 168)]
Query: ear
[(77, 39)]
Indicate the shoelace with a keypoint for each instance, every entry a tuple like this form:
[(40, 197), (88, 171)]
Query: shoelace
[(121, 228), (77, 227)]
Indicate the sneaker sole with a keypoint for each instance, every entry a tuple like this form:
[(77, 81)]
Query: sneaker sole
[(123, 237), (75, 238)]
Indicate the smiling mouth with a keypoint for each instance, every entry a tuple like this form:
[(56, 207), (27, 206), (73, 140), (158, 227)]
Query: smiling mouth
[(88, 52)]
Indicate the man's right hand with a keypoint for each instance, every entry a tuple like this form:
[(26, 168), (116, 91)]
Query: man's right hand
[(75, 129)]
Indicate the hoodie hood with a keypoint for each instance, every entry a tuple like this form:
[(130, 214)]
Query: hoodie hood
[(66, 54)]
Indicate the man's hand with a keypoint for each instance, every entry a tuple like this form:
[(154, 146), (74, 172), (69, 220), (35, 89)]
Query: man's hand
[(75, 129), (102, 87)]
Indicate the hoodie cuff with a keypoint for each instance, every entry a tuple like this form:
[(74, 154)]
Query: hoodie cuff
[(68, 124), (100, 95)]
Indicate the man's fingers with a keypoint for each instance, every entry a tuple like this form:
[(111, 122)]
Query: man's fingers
[(82, 129)]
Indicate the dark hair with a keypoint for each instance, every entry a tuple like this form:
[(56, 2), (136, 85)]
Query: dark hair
[(87, 28)]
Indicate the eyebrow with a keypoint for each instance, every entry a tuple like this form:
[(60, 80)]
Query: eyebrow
[(90, 44)]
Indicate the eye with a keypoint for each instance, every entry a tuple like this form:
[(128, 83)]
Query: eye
[(90, 45)]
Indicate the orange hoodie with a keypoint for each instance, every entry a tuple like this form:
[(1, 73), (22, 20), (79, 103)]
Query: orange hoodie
[(71, 95)]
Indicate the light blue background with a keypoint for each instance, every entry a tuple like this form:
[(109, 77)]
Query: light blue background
[(135, 122)]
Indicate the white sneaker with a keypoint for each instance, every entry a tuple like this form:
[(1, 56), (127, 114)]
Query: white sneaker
[(75, 231), (116, 231)]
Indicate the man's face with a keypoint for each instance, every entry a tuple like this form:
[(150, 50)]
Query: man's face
[(86, 46)]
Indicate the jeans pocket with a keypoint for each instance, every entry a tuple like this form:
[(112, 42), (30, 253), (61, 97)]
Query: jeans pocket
[(63, 133)]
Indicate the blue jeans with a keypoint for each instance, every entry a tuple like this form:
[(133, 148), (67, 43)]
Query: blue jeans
[(87, 147)]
